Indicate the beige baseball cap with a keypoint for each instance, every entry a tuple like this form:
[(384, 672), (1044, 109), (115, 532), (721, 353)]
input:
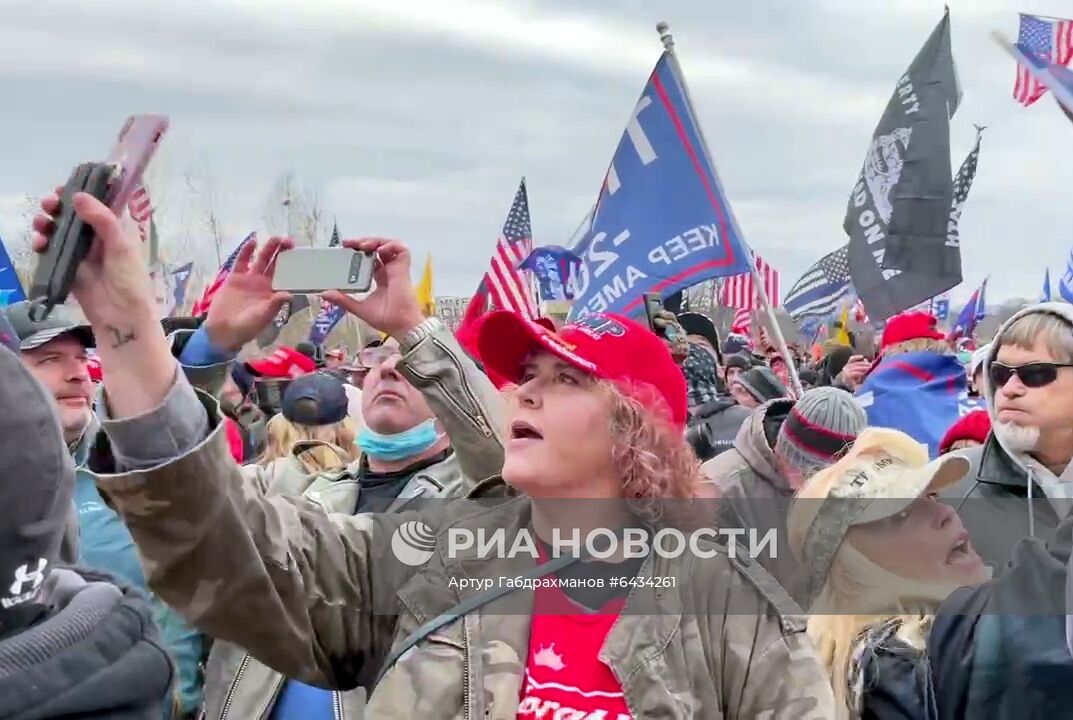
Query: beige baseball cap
[(874, 488)]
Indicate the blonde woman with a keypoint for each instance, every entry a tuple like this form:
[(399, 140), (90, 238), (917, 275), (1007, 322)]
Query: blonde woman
[(881, 553), (312, 434)]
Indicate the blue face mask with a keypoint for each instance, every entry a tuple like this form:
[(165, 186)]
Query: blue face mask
[(398, 446)]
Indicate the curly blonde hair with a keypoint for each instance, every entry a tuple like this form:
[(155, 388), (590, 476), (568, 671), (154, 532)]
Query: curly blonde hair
[(650, 453)]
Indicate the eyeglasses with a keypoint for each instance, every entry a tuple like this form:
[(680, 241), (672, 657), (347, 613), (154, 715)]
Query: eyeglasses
[(1033, 375), (370, 358)]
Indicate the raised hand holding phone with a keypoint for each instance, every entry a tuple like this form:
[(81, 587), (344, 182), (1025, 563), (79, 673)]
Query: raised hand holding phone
[(112, 183), (392, 307), (112, 287), (247, 301)]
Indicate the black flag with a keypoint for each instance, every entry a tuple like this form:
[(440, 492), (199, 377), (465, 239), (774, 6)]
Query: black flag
[(899, 251)]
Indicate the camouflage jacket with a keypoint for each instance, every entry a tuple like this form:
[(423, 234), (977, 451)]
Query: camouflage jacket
[(237, 685)]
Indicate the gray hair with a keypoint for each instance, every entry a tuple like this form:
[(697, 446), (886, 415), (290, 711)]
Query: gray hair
[(1054, 330)]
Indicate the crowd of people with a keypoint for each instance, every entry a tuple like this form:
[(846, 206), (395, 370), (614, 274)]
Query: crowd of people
[(189, 535)]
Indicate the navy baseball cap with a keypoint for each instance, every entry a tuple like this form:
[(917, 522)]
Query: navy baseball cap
[(315, 399)]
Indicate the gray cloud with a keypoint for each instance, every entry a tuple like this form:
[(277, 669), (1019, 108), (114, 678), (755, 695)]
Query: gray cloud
[(416, 119)]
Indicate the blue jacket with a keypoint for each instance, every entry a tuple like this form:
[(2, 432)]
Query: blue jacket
[(106, 544)]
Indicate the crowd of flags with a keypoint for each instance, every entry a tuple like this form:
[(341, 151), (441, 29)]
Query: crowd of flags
[(520, 275)]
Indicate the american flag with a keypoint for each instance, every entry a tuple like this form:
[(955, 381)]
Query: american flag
[(739, 291), (509, 286), (859, 313), (963, 182), (743, 322), (141, 210), (1050, 40), (201, 307), (821, 289)]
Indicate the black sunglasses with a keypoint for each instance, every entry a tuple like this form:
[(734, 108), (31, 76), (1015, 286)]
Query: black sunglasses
[(1033, 375)]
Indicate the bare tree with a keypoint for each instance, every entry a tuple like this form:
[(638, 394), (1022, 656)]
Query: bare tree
[(19, 247), (294, 210)]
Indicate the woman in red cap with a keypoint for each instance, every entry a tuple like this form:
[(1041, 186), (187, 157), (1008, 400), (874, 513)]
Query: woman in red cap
[(488, 609)]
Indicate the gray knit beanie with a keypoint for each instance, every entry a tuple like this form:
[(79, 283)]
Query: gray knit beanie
[(821, 427)]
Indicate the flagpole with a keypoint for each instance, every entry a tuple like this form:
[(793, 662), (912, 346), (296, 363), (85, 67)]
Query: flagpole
[(665, 36)]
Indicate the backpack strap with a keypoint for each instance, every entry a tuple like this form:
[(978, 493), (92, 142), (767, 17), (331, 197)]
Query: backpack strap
[(791, 617), (467, 606)]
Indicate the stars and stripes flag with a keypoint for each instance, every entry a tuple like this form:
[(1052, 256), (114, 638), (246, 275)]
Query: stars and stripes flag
[(820, 290), (739, 291), (140, 208), (859, 311), (1049, 40), (509, 286), (962, 185), (201, 307), (505, 286), (742, 324)]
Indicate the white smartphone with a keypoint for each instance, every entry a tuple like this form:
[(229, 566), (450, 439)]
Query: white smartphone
[(312, 270)]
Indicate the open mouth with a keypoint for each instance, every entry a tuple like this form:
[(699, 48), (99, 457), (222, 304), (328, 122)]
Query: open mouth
[(961, 550), (521, 430)]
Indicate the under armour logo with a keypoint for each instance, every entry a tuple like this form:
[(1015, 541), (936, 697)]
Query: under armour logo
[(23, 575)]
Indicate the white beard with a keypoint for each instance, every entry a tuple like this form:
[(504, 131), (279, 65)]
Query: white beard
[(1017, 438)]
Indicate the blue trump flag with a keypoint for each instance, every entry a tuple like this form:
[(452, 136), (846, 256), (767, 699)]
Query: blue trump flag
[(10, 288), (1065, 283), (555, 269), (922, 394), (974, 311), (662, 222), (329, 315)]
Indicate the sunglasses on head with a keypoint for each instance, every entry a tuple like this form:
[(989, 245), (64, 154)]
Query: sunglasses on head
[(1032, 375)]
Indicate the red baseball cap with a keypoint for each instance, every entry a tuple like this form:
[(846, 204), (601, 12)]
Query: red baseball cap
[(911, 326), (285, 362), (604, 345)]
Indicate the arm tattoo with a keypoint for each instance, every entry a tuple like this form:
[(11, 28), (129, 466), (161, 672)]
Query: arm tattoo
[(120, 338)]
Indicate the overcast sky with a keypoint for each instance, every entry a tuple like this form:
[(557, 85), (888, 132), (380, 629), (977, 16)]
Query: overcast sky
[(416, 119)]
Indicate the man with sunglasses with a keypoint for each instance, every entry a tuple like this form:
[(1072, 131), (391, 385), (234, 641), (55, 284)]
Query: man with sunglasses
[(1000, 649), (1021, 480)]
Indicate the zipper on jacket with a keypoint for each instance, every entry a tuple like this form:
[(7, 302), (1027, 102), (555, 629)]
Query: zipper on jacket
[(465, 671), (234, 686), (337, 705), (475, 417)]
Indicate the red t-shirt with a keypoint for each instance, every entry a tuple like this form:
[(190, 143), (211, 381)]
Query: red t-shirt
[(564, 677)]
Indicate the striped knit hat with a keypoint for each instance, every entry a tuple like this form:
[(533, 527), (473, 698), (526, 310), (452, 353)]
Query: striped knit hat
[(819, 429)]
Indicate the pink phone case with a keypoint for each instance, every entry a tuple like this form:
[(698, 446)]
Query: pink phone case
[(138, 141)]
